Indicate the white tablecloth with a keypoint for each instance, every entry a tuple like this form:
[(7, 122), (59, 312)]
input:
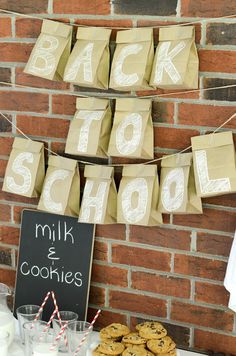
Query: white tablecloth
[(17, 350)]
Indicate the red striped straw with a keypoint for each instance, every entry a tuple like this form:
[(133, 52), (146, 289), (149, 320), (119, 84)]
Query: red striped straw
[(59, 336), (58, 315), (41, 308), (87, 332)]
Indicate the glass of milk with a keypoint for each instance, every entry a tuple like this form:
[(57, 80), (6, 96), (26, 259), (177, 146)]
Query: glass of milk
[(43, 344), (66, 316), (26, 313), (76, 330), (4, 341), (30, 330), (7, 323)]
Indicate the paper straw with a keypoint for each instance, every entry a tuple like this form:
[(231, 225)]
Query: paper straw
[(58, 314), (41, 309), (59, 335), (87, 332)]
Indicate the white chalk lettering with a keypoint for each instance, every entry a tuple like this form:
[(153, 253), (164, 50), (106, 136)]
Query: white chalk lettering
[(83, 59), (173, 181), (24, 172), (124, 146), (60, 232), (120, 77)]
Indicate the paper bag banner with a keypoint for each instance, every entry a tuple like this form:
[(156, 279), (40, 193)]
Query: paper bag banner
[(90, 129), (25, 170), (99, 202), (51, 51), (214, 164), (132, 131), (176, 60), (177, 186), (138, 196), (132, 61), (89, 62), (61, 189)]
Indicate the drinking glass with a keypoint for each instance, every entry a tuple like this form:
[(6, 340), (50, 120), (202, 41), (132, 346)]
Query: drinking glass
[(76, 330), (32, 329), (4, 341), (43, 344), (26, 313), (66, 316)]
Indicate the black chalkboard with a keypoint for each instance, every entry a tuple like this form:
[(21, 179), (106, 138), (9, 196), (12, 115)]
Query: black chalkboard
[(55, 255)]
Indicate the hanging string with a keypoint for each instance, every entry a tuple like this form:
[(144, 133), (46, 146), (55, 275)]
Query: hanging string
[(121, 165), (108, 96), (114, 27)]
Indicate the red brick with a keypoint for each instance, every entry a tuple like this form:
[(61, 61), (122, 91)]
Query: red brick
[(100, 251), (97, 7), (200, 267), (206, 340), (5, 212), (20, 101), (3, 165), (178, 333), (15, 52), (150, 282), (106, 23), (97, 296), (115, 231), (5, 126), (8, 276), (6, 145), (9, 235), (109, 275), (158, 236), (16, 198), (58, 147), (140, 7), (169, 137), (214, 61), (17, 211), (33, 81), (163, 112), (25, 6), (5, 27), (221, 220), (63, 104), (205, 115), (223, 200), (221, 34), (43, 126), (137, 303), (211, 293), (203, 316), (28, 28), (5, 256), (225, 94), (202, 8), (214, 244), (141, 257), (106, 317)]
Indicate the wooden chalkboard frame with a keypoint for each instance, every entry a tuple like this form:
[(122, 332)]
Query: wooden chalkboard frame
[(30, 216)]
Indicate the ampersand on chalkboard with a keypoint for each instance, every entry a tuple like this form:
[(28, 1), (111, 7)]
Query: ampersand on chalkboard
[(52, 252)]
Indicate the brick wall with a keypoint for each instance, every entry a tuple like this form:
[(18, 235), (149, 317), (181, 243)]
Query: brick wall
[(172, 273)]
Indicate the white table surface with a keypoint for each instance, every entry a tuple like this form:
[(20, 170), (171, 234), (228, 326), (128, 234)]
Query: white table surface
[(17, 349)]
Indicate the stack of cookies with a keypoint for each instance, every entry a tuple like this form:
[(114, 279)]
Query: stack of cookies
[(149, 339)]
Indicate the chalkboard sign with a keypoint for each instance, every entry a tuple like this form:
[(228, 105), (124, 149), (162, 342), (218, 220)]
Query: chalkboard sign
[(55, 255)]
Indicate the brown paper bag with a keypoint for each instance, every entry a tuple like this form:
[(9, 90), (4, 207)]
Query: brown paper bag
[(132, 61), (89, 62), (90, 129), (177, 187), (25, 170), (100, 196), (138, 196), (214, 164), (51, 51), (176, 60), (132, 131), (61, 188)]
